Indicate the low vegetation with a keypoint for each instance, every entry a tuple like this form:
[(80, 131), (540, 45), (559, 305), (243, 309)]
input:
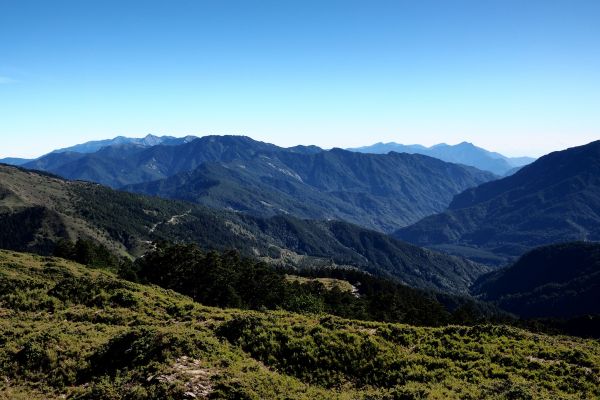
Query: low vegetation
[(229, 280), (69, 331), (328, 283)]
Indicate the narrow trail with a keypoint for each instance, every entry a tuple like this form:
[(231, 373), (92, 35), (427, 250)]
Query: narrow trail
[(173, 220)]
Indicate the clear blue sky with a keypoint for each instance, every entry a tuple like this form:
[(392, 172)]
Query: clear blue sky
[(520, 77)]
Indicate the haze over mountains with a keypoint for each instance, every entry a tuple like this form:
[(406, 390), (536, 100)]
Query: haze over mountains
[(147, 141), (14, 161), (462, 153), (555, 199), (383, 192), (96, 145)]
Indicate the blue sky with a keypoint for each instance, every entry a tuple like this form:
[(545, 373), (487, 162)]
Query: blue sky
[(519, 77)]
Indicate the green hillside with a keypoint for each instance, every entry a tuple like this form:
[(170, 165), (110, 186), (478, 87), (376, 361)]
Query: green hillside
[(561, 280), (72, 332), (555, 199), (37, 210)]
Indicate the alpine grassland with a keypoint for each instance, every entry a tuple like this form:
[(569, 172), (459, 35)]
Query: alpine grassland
[(71, 331)]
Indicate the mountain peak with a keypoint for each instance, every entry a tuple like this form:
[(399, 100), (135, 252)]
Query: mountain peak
[(465, 153), (147, 141)]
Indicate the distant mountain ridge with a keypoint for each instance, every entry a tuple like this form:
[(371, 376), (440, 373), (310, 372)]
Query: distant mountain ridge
[(383, 192), (14, 160), (147, 141), (129, 163), (97, 145), (462, 153), (554, 199)]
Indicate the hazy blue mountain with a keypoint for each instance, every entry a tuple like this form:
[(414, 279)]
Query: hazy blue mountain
[(119, 165), (305, 149), (554, 199), (14, 161), (37, 210), (382, 192), (561, 280), (148, 141), (462, 153), (512, 171), (520, 161)]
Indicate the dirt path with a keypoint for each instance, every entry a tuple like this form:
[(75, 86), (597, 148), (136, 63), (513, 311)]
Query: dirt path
[(172, 221)]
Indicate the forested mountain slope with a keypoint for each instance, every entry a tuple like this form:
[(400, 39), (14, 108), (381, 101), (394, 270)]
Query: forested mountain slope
[(382, 192), (555, 199), (36, 210), (561, 280)]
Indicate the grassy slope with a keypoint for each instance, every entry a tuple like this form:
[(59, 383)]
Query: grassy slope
[(68, 330), (329, 283)]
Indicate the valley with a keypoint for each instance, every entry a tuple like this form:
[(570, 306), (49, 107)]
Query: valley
[(290, 246)]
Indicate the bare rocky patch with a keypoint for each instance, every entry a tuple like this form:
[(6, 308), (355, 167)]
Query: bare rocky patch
[(189, 371)]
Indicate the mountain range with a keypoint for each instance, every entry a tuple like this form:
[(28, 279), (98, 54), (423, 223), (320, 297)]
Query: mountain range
[(462, 153), (147, 141), (14, 161), (555, 199), (304, 207), (381, 192), (377, 191), (96, 145), (37, 210), (445, 206)]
